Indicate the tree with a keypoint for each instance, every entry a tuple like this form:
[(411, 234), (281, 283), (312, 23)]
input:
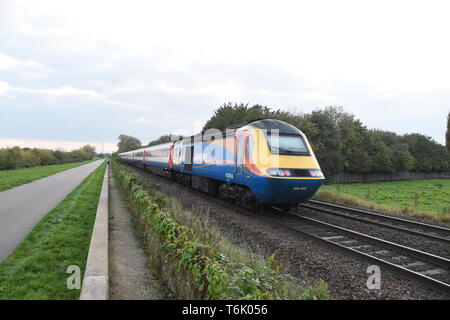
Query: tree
[(380, 155), (46, 157), (325, 139), (355, 143), (30, 158), (447, 135), (163, 139), (61, 155), (10, 158), (229, 114), (79, 155), (401, 159), (428, 154), (127, 143), (89, 149)]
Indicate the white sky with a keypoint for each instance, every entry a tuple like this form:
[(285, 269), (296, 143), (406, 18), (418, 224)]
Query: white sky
[(91, 70)]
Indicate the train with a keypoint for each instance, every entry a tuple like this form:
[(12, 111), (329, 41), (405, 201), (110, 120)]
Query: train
[(264, 162)]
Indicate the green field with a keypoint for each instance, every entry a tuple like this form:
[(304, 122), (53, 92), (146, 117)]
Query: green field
[(37, 268), (416, 197), (13, 178)]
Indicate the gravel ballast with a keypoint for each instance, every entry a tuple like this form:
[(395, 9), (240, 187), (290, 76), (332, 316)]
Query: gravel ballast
[(417, 242)]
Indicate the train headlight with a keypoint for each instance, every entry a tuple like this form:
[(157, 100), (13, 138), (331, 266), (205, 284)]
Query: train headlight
[(279, 172), (316, 173), (283, 172)]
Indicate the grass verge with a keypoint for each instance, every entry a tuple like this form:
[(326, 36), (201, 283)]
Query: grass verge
[(13, 178), (193, 257), (383, 200), (37, 268)]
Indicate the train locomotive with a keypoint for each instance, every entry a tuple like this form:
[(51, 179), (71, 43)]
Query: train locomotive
[(253, 164)]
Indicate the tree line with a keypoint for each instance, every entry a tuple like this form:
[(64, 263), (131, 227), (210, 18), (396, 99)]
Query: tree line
[(127, 143), (341, 142), (15, 157)]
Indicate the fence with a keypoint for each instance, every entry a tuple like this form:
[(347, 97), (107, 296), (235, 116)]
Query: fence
[(377, 177)]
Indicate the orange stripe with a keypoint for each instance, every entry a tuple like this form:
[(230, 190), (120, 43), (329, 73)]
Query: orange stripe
[(214, 163)]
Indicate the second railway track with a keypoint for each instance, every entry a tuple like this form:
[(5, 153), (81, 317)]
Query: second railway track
[(412, 227), (412, 263)]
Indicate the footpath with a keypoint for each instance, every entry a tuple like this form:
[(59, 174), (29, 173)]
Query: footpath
[(130, 277)]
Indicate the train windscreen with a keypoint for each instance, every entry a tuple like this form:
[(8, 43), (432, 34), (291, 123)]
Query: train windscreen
[(287, 144)]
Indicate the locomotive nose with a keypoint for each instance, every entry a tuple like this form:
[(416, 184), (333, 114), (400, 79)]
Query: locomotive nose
[(287, 191)]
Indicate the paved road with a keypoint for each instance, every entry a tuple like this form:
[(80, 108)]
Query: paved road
[(21, 208)]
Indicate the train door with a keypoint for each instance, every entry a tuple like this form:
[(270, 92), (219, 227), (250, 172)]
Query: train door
[(188, 156), (171, 156), (239, 155)]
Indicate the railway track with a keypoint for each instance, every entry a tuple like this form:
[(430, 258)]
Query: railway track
[(412, 227), (414, 264), (429, 269), (417, 265)]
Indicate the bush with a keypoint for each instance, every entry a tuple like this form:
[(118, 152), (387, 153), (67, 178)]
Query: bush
[(13, 158), (10, 158)]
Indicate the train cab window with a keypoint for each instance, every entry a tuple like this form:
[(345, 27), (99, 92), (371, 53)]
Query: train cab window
[(248, 146), (287, 144), (240, 150)]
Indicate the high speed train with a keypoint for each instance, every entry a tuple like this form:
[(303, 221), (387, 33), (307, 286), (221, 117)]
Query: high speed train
[(256, 163)]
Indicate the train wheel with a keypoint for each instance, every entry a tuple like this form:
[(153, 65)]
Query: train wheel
[(286, 208), (259, 207), (250, 202)]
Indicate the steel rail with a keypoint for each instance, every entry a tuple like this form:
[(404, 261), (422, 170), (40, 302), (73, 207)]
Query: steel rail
[(413, 275), (349, 213)]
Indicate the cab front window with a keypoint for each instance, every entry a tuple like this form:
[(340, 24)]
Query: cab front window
[(287, 144)]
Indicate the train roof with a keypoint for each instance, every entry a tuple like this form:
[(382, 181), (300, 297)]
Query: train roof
[(155, 147), (273, 124)]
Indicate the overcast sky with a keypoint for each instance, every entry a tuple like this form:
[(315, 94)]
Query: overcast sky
[(74, 72)]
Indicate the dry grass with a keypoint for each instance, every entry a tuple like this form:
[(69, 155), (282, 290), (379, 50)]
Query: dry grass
[(339, 197)]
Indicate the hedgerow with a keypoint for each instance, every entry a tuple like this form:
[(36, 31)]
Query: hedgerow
[(198, 263)]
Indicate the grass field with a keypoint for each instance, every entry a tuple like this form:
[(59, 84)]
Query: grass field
[(13, 178), (429, 198), (37, 268)]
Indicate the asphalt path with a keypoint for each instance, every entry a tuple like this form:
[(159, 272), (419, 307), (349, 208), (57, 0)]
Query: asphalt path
[(21, 208)]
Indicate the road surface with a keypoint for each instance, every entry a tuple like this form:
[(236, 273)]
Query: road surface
[(21, 208)]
